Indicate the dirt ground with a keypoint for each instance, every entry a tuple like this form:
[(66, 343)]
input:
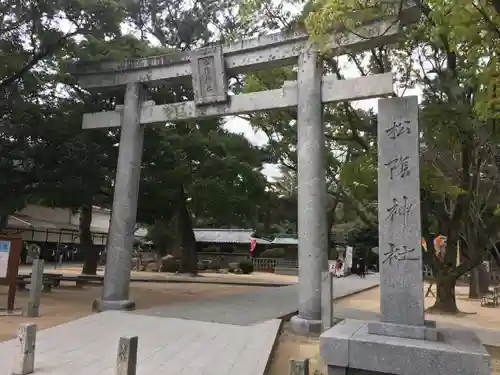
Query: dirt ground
[(291, 346), (255, 276), (473, 314), (67, 302)]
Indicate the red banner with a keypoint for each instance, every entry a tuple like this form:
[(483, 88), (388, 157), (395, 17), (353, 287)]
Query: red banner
[(253, 243)]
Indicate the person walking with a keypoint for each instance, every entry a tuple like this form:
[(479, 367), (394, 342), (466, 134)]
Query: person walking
[(362, 267), (338, 267)]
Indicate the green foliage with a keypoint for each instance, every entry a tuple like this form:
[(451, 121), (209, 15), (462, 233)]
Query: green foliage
[(363, 237), (31, 34), (162, 235), (246, 267), (93, 50), (452, 54), (273, 253), (43, 154), (81, 164), (170, 265), (468, 29), (359, 174), (219, 170), (211, 249)]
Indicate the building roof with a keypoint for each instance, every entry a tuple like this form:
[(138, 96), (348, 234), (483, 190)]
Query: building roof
[(26, 222), (285, 241), (209, 235)]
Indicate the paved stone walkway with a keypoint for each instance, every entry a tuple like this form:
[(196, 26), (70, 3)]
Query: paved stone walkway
[(253, 307), (89, 346)]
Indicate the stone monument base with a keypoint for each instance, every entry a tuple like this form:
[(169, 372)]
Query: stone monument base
[(305, 327), (100, 305), (348, 348)]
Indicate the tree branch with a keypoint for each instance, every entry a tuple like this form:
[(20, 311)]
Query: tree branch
[(487, 19), (36, 58)]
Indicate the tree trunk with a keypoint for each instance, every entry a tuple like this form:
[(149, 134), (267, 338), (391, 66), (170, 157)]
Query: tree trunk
[(484, 279), (175, 246), (445, 296), (330, 221), (90, 253), (474, 291), (4, 219), (189, 256)]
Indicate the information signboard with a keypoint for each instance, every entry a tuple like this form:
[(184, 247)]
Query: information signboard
[(348, 257), (10, 255), (4, 257)]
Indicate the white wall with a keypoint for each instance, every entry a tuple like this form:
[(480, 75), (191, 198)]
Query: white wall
[(61, 217), (100, 220), (55, 215)]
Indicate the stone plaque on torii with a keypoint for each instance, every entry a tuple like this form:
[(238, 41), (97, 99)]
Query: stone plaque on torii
[(208, 68)]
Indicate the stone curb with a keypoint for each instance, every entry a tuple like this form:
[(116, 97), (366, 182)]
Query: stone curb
[(221, 282), (357, 292), (274, 347)]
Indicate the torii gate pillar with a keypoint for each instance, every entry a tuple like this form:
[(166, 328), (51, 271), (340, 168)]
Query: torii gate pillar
[(312, 223), (115, 293)]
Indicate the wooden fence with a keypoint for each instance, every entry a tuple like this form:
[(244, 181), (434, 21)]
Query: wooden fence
[(259, 264)]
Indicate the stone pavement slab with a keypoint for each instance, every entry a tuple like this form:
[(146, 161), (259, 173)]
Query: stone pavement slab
[(253, 307), (88, 346)]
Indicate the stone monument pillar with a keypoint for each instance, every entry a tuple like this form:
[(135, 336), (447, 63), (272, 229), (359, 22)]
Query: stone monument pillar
[(312, 223), (115, 295), (402, 342)]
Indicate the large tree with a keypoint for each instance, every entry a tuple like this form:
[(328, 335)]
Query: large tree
[(199, 174), (208, 163), (33, 35), (453, 54), (79, 165), (211, 177), (32, 32)]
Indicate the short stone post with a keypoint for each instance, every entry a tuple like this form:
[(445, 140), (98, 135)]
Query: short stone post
[(36, 283), (327, 317), (126, 361), (25, 363), (299, 366)]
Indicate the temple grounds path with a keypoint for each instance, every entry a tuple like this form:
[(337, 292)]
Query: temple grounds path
[(67, 302)]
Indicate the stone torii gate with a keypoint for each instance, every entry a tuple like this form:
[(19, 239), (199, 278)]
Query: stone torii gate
[(207, 68)]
